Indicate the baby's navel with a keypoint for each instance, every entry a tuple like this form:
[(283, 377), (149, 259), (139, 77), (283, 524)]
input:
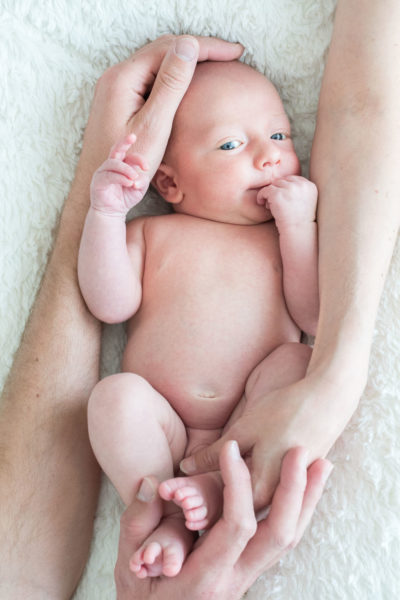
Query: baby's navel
[(206, 395)]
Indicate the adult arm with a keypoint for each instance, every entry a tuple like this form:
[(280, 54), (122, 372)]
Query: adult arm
[(354, 164), (229, 557), (48, 477)]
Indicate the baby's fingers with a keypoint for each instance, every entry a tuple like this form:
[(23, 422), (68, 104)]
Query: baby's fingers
[(106, 178), (137, 160), (141, 183), (114, 165), (263, 195), (120, 149)]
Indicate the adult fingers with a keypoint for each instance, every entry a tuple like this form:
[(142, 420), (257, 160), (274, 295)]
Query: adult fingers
[(173, 78), (137, 522), (275, 534), (291, 510), (226, 541), (317, 476), (211, 48), (265, 473), (149, 58), (207, 459)]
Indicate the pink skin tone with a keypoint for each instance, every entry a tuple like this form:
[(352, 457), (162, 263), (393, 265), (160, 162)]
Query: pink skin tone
[(238, 167)]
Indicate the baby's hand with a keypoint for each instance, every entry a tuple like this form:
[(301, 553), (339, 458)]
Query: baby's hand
[(292, 200), (120, 183)]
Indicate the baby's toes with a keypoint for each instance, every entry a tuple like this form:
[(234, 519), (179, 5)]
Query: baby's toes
[(151, 553), (188, 497), (196, 518), (147, 561), (136, 564), (172, 560)]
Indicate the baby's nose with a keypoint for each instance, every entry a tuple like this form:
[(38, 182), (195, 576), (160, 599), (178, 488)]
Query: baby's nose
[(268, 156)]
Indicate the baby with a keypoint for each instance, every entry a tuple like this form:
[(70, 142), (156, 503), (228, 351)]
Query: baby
[(216, 294)]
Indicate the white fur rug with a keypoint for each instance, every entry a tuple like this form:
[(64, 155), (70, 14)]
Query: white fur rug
[(52, 53)]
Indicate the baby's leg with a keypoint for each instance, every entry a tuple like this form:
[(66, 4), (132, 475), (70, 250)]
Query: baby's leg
[(135, 432)]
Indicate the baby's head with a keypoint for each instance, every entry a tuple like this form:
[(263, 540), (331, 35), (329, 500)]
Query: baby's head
[(230, 137)]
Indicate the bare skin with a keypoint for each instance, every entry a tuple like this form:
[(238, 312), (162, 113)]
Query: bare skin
[(230, 556), (319, 407), (200, 286), (43, 429), (358, 216)]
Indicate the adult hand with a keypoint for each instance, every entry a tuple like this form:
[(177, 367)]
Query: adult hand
[(303, 414), (142, 93), (229, 557)]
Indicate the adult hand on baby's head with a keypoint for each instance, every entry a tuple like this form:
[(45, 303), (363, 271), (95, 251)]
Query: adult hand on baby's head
[(231, 555), (122, 103)]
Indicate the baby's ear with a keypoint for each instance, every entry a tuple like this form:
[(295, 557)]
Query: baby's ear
[(165, 183)]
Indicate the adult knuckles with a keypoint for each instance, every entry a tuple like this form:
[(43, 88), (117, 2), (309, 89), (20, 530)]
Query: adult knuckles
[(284, 540), (206, 460), (262, 494), (172, 78), (244, 528), (110, 80)]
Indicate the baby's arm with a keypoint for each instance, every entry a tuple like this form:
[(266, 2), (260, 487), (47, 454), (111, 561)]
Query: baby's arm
[(293, 202), (109, 275)]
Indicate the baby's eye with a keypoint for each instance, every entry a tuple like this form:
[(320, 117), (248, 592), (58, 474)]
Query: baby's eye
[(231, 145), (279, 136)]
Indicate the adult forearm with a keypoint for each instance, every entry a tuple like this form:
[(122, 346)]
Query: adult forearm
[(354, 163), (48, 476)]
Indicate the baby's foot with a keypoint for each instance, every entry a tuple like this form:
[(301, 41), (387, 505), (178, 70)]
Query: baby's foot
[(164, 550), (200, 498)]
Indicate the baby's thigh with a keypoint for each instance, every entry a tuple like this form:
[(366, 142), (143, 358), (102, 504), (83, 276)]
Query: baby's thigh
[(126, 407)]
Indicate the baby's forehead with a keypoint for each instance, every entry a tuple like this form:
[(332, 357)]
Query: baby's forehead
[(216, 85), (221, 92)]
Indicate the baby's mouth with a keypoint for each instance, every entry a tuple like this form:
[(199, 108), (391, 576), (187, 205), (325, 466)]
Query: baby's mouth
[(260, 187)]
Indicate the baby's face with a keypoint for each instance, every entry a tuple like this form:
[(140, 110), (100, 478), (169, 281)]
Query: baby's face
[(230, 138)]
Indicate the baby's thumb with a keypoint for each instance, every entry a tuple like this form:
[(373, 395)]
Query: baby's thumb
[(173, 78)]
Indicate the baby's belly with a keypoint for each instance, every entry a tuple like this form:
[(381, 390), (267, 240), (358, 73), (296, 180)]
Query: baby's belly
[(202, 376)]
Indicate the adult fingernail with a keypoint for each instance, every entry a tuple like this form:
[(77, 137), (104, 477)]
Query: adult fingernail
[(185, 49), (188, 465), (327, 474), (146, 491), (234, 450)]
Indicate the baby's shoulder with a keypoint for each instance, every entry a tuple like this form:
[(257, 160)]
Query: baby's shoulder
[(149, 224)]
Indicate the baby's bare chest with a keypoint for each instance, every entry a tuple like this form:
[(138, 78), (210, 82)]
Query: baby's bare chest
[(196, 264)]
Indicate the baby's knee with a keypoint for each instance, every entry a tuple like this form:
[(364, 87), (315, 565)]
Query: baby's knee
[(116, 393)]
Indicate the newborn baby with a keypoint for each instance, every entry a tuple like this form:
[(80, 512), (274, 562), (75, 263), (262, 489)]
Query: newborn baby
[(216, 294)]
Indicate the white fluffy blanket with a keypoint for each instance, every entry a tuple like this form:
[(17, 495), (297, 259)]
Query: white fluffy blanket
[(52, 52)]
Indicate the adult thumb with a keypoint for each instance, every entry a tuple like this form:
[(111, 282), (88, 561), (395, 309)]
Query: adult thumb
[(204, 460), (173, 78)]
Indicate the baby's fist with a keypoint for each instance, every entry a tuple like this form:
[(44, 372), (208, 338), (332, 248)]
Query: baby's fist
[(120, 182), (292, 200)]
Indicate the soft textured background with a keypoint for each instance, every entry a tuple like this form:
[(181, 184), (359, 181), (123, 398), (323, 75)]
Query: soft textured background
[(52, 52)]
